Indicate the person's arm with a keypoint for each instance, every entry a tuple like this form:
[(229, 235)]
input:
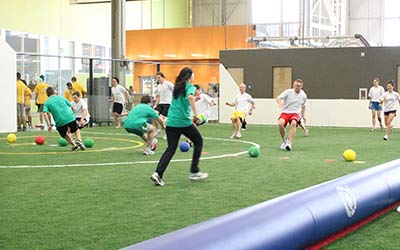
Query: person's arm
[(192, 102), (161, 121), (280, 102), (126, 97), (231, 104), (157, 101), (252, 107), (303, 112)]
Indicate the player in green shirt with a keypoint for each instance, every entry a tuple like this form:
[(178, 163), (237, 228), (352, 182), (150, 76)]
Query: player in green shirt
[(179, 123), (66, 125), (136, 123)]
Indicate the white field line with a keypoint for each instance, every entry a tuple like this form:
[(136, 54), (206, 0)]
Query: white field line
[(138, 162)]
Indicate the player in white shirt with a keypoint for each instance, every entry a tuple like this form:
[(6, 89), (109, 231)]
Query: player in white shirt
[(241, 104), (389, 99), (119, 98), (374, 95), (81, 111), (163, 95), (292, 101), (203, 103)]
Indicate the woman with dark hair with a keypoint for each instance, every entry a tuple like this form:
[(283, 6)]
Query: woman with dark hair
[(178, 123)]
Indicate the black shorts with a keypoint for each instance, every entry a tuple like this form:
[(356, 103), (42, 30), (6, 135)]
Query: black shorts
[(117, 108), (63, 130), (162, 109), (40, 107), (390, 112)]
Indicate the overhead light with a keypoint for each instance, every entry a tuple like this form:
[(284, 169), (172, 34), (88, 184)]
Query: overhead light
[(144, 56), (197, 55), (170, 55)]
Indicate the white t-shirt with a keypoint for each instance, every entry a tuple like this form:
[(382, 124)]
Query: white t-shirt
[(242, 102), (375, 93), (203, 106), (293, 102), (164, 91), (390, 100), (78, 108), (119, 94)]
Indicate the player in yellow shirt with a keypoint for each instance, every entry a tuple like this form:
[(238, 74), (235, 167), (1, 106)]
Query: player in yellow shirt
[(21, 102), (77, 87), (68, 92), (28, 95), (41, 97)]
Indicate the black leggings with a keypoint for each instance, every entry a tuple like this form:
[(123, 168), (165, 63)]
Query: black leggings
[(173, 135)]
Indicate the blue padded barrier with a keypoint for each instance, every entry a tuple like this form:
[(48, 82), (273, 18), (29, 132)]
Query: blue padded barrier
[(292, 221)]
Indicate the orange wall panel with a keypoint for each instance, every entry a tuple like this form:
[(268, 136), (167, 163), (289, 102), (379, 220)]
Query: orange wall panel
[(183, 42)]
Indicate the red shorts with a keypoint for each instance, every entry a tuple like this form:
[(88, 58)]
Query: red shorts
[(290, 117)]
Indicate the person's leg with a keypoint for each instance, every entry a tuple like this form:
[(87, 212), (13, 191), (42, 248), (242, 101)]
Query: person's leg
[(292, 131), (233, 120), (173, 135), (238, 126), (151, 134), (28, 117), (282, 130), (373, 112), (388, 120), (41, 118), (379, 116), (194, 135), (64, 132)]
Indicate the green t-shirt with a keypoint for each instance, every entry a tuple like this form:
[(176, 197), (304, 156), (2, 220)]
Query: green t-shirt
[(59, 107), (139, 115), (179, 110)]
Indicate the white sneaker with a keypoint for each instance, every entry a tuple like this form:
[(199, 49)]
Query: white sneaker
[(233, 136), (373, 129), (385, 138), (198, 176), (153, 144), (148, 151), (238, 135), (306, 132), (288, 147), (157, 179), (283, 145)]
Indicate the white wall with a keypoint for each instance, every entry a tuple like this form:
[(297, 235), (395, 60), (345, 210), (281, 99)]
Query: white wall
[(337, 112), (8, 101)]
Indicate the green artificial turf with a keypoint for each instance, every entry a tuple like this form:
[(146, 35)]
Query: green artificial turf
[(110, 202)]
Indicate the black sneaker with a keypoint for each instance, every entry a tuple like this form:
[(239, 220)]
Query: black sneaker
[(75, 148), (80, 144), (244, 125)]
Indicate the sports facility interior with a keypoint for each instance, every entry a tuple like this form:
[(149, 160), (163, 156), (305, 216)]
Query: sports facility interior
[(337, 188)]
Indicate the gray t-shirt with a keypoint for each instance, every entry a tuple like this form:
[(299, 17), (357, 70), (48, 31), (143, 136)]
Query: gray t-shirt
[(293, 101)]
